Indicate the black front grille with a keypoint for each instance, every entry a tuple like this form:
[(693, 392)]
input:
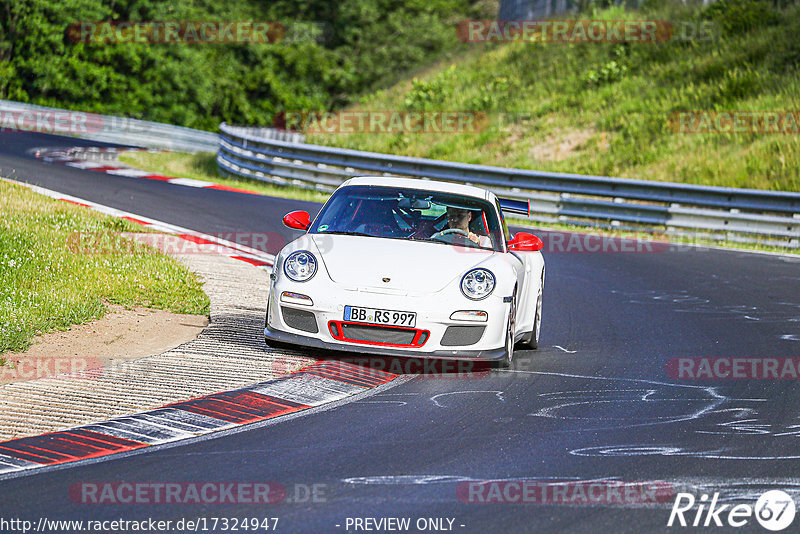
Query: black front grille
[(378, 334), (462, 335), (300, 319)]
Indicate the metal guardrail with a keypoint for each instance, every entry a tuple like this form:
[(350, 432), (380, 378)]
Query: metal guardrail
[(105, 128), (270, 133), (770, 217), (122, 130)]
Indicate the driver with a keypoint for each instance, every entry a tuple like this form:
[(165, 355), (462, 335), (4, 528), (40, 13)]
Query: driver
[(458, 219)]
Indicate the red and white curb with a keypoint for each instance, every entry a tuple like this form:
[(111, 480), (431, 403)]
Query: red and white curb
[(319, 383), (66, 156), (210, 242)]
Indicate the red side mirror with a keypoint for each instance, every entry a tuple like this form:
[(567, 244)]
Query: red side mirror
[(525, 242), (299, 220)]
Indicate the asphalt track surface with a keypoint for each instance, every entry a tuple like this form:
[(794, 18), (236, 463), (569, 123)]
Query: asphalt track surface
[(594, 402)]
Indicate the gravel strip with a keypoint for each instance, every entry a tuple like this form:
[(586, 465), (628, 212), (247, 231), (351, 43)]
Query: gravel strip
[(228, 354)]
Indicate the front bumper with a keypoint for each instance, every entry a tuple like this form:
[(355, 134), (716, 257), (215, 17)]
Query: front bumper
[(432, 336), (307, 341)]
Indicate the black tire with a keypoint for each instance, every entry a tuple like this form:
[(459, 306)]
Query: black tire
[(531, 340), (508, 357)]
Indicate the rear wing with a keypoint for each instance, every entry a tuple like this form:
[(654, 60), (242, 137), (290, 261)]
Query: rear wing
[(510, 205)]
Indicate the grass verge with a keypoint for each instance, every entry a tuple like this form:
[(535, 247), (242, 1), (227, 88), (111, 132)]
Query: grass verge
[(60, 264)]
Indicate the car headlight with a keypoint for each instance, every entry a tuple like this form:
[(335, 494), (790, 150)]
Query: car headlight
[(477, 284), (300, 266)]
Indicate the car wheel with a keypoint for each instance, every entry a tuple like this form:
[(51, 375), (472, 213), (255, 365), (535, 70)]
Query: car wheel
[(509, 347), (531, 340)]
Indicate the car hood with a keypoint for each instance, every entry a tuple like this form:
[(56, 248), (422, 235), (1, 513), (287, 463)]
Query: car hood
[(409, 266)]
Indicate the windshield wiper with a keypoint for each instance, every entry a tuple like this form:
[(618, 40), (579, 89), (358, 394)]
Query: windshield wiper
[(428, 240), (342, 232)]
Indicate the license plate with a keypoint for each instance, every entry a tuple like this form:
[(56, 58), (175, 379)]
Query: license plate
[(375, 316)]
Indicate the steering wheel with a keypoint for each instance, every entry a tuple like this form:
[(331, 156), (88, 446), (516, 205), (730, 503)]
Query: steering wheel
[(448, 231)]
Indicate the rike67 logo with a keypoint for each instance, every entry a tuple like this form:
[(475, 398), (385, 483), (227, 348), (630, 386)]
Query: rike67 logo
[(774, 510)]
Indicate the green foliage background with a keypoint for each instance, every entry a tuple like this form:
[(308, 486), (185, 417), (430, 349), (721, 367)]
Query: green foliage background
[(361, 43), (591, 108)]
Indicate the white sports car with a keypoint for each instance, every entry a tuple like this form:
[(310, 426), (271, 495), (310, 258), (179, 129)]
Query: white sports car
[(408, 267)]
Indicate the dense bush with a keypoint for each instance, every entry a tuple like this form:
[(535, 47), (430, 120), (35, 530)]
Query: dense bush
[(742, 15), (332, 51)]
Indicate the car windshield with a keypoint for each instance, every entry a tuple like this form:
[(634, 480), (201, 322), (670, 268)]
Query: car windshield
[(411, 214)]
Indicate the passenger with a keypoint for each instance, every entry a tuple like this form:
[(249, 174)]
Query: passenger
[(375, 217)]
